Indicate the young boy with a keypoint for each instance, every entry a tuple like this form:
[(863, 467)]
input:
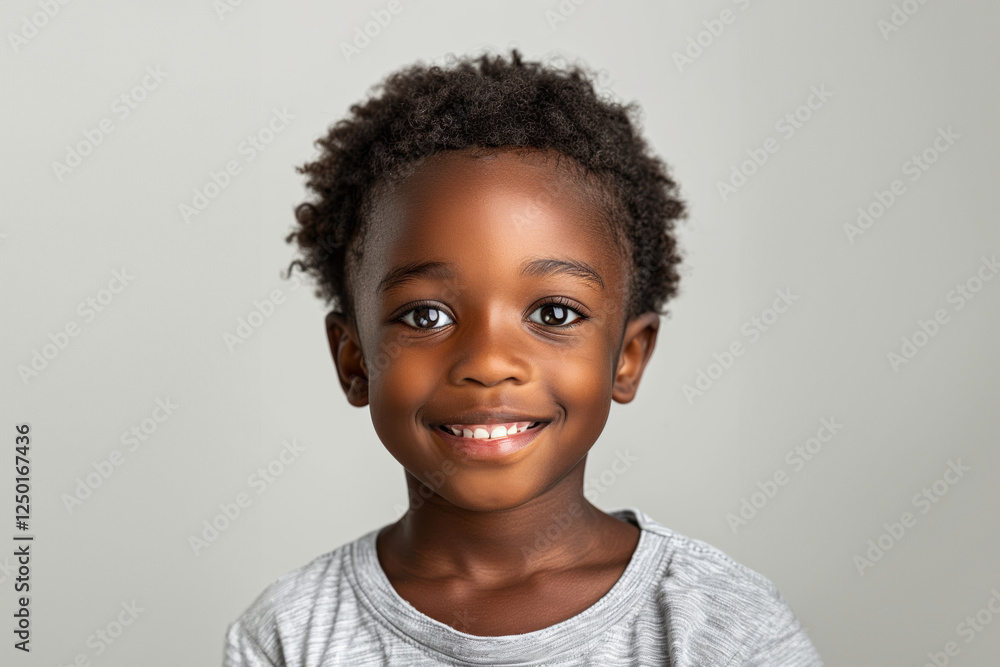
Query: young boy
[(499, 243)]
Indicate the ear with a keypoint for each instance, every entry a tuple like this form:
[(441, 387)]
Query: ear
[(348, 358), (637, 347)]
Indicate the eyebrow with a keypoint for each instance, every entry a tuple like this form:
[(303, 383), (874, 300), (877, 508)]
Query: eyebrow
[(411, 271), (569, 267)]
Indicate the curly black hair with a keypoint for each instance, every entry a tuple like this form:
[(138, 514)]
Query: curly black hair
[(488, 102)]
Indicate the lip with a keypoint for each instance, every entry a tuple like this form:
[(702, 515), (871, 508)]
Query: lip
[(490, 449), (489, 417)]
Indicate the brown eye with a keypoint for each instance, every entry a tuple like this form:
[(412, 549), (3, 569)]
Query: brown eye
[(555, 315), (425, 317)]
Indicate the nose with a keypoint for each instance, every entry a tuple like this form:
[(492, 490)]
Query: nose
[(490, 349)]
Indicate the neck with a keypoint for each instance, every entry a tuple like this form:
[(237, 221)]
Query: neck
[(437, 539)]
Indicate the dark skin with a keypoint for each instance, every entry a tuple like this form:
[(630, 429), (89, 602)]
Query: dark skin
[(488, 337)]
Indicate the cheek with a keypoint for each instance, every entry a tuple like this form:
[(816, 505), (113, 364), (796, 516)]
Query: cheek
[(581, 381), (400, 381)]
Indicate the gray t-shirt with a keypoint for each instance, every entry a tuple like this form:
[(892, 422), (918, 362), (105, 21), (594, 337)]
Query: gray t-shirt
[(679, 602)]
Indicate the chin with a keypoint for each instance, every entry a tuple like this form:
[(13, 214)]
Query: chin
[(486, 498)]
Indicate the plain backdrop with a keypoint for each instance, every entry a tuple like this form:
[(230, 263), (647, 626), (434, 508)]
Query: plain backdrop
[(891, 334)]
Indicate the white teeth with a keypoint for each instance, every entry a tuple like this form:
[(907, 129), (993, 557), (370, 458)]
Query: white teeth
[(487, 432)]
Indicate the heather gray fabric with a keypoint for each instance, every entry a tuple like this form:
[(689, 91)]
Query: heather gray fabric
[(679, 602)]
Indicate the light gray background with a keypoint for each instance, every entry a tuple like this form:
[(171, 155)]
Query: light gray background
[(162, 336)]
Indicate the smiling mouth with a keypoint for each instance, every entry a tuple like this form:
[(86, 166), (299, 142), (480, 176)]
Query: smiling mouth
[(489, 431)]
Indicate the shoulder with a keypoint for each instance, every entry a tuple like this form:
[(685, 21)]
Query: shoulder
[(701, 573), (721, 609), (268, 632)]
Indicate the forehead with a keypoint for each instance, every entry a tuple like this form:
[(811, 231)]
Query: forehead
[(456, 198)]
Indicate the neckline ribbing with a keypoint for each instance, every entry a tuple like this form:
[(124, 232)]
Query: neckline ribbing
[(374, 589)]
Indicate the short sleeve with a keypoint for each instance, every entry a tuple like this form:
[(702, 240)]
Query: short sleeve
[(782, 642), (243, 650)]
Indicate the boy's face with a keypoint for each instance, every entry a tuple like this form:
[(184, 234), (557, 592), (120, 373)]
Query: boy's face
[(513, 311)]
